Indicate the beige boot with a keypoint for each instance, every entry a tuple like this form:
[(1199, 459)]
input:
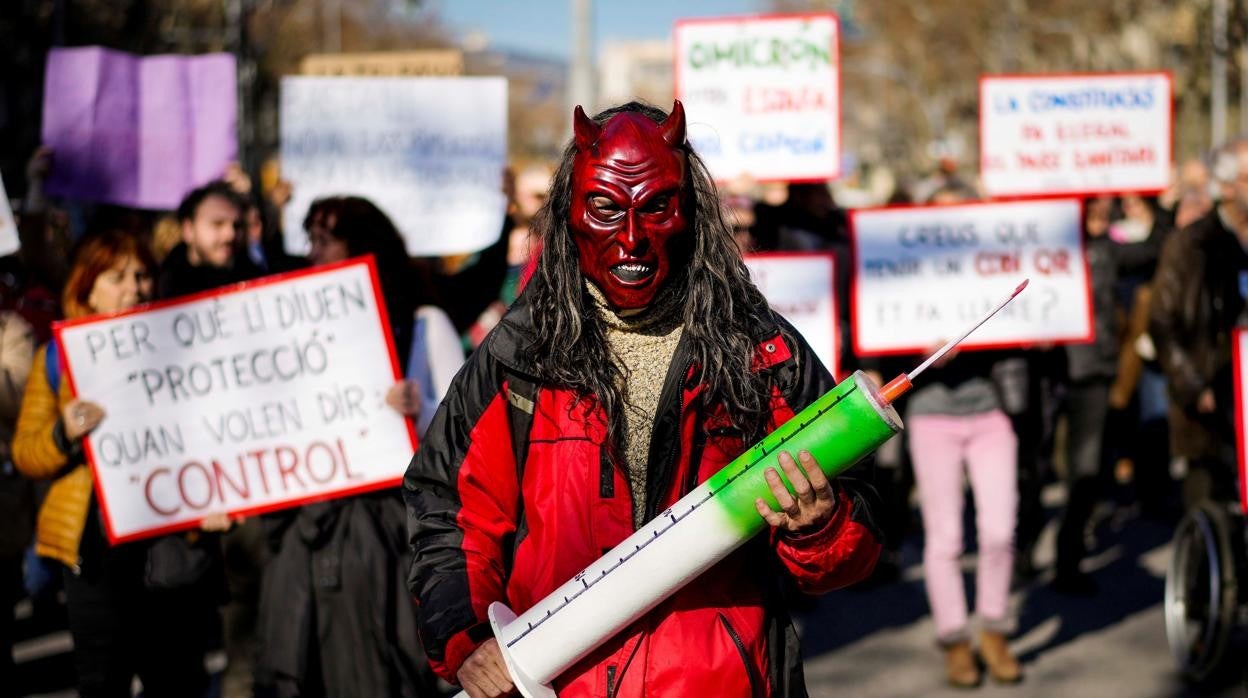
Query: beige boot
[(995, 651), (960, 666)]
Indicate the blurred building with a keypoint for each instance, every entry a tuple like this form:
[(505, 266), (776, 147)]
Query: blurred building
[(635, 70), (537, 89), (908, 70), (910, 77)]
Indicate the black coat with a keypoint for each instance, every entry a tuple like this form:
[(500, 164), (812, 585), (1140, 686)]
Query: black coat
[(1197, 301), (335, 613), (178, 277), (1099, 358), (17, 512)]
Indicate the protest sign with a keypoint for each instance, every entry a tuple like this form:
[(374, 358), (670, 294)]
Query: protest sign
[(244, 400), (8, 225), (1075, 134), (429, 152), (1239, 349), (924, 273), (800, 286), (137, 131), (762, 94)]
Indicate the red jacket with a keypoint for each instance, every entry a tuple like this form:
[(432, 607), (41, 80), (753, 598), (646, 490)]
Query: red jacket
[(485, 529)]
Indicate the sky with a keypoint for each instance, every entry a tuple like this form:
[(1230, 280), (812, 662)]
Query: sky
[(541, 27)]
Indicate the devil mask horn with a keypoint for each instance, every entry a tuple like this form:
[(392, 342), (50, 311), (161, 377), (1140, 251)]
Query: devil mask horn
[(673, 127), (587, 132)]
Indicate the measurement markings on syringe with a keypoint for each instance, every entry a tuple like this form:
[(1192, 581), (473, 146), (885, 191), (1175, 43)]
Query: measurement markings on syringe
[(675, 519)]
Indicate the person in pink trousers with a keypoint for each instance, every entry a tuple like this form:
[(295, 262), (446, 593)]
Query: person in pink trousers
[(956, 427)]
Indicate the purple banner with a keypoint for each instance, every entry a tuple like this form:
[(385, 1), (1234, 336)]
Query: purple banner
[(137, 131)]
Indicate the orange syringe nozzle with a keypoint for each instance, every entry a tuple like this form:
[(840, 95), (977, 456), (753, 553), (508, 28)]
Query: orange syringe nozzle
[(901, 384), (896, 388)]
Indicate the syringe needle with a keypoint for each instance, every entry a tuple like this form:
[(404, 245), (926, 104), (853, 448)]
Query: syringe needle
[(901, 384)]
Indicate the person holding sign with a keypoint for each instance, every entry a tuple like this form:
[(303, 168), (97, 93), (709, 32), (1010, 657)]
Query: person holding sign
[(339, 565), (340, 227), (957, 426), (124, 620), (638, 361)]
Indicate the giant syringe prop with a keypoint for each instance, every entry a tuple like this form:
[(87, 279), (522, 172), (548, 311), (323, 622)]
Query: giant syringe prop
[(702, 528)]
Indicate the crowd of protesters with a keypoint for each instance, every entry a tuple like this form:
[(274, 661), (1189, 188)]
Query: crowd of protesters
[(307, 601), (1147, 405), (312, 601)]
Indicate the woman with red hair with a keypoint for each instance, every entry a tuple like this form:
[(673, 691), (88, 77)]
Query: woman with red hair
[(126, 616)]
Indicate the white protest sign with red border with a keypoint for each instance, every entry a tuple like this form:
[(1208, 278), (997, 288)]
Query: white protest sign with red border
[(1239, 350), (247, 399), (923, 273), (801, 287), (1075, 134), (762, 94)]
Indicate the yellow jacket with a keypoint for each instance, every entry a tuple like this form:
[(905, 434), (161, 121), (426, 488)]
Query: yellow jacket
[(41, 452)]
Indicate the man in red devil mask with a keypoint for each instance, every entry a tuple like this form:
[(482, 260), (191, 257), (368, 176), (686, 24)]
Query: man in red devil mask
[(639, 361)]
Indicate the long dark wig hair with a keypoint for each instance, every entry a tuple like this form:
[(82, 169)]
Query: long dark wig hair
[(721, 306)]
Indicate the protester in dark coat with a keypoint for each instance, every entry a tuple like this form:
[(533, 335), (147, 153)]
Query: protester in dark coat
[(1090, 367), (1198, 300), (1137, 434), (212, 222), (335, 617), (211, 219)]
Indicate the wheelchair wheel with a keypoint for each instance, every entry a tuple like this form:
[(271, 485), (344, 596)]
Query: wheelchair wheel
[(1201, 603)]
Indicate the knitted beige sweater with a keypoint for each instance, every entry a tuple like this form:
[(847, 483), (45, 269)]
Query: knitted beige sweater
[(642, 345)]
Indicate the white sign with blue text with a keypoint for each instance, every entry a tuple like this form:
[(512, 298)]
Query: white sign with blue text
[(429, 152), (1075, 134)]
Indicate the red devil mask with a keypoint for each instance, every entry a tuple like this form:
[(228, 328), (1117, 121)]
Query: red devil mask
[(627, 213)]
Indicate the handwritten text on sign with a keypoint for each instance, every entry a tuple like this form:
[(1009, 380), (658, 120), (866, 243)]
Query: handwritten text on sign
[(924, 274), (261, 397), (428, 151), (1075, 134), (800, 288), (762, 94)]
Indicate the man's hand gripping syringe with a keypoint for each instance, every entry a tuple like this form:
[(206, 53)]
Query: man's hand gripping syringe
[(703, 527)]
